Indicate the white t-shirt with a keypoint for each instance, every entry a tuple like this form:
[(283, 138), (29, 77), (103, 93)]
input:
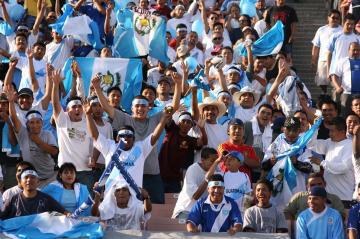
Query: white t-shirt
[(75, 144), (339, 47), (322, 38), (107, 131), (173, 22), (22, 113), (338, 167), (132, 159), (58, 53), (237, 184), (194, 177), (40, 73), (343, 71), (198, 55)]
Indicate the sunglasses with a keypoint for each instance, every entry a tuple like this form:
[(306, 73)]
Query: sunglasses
[(217, 38)]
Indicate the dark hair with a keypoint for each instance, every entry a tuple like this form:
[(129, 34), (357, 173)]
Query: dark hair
[(352, 114), (350, 17), (24, 163), (181, 25), (141, 97), (227, 48), (268, 184), (39, 43), (265, 106), (73, 98), (329, 101), (112, 89), (148, 87), (218, 24), (66, 166), (301, 111), (33, 111), (315, 175), (334, 11), (355, 97), (339, 122), (216, 177), (20, 34), (278, 111), (207, 152), (214, 13), (248, 18)]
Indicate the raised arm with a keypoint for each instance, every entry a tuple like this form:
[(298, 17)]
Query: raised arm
[(34, 82), (184, 84), (103, 101), (45, 101), (177, 92), (202, 9), (56, 79), (203, 140), (10, 73), (78, 5), (283, 73), (5, 13), (356, 142), (109, 9), (99, 7), (57, 8), (90, 121), (194, 103), (39, 17), (12, 111), (166, 116)]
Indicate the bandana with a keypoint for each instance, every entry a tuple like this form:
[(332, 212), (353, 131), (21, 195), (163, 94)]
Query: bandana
[(34, 116), (181, 29), (73, 102), (29, 172), (140, 102), (95, 100), (185, 117), (215, 184), (124, 132)]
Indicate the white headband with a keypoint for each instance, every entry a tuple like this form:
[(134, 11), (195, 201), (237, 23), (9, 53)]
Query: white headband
[(184, 29), (224, 93), (73, 102), (215, 184), (185, 117), (140, 102), (34, 115), (95, 100), (29, 172), (125, 132)]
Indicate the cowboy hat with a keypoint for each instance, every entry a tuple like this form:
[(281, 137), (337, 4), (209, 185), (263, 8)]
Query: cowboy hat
[(209, 101), (246, 89)]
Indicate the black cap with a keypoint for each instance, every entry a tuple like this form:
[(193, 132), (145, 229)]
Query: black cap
[(25, 91), (3, 97), (236, 121), (292, 123), (318, 191), (278, 123)]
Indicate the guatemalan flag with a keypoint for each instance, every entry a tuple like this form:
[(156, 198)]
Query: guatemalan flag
[(47, 226), (140, 32), (268, 44), (124, 73)]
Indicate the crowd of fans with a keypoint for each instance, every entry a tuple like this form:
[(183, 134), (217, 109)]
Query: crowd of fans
[(220, 152)]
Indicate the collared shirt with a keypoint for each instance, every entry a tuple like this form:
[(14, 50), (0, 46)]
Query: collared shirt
[(204, 213)]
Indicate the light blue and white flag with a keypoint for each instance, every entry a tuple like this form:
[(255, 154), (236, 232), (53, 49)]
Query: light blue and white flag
[(47, 226), (248, 7), (87, 33), (288, 97), (289, 173), (268, 44), (140, 33), (124, 73)]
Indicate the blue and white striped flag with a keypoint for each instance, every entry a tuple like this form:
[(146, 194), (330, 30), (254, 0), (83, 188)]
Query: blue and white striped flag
[(124, 73), (268, 44), (140, 33), (47, 226)]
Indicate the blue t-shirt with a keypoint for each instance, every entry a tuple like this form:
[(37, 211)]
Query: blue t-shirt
[(204, 213), (68, 200), (353, 219), (324, 225)]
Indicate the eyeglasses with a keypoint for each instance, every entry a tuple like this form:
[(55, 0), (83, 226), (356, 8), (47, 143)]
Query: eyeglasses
[(217, 38)]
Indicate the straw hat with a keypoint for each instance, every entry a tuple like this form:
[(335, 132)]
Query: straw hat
[(209, 101), (246, 89)]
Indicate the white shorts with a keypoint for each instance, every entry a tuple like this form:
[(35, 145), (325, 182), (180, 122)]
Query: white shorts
[(321, 74)]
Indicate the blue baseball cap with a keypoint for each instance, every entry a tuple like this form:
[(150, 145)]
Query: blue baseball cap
[(236, 154)]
